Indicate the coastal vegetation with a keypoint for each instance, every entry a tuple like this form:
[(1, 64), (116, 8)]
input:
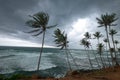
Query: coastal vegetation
[(61, 41), (110, 46), (39, 23)]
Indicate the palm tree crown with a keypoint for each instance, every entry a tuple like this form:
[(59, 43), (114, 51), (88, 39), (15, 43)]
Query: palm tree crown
[(105, 40), (97, 35), (113, 32), (107, 20), (85, 43), (116, 42), (39, 22), (100, 48), (87, 35), (60, 39), (112, 50)]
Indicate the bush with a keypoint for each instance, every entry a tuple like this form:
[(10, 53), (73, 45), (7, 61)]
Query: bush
[(17, 76), (2, 77)]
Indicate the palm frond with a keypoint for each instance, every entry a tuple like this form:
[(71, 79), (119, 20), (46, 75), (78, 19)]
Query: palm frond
[(43, 18), (100, 48), (38, 33), (60, 38), (33, 31), (48, 27), (113, 32), (107, 20), (33, 24)]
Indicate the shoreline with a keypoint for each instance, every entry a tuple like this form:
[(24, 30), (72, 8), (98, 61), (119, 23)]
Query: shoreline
[(101, 74)]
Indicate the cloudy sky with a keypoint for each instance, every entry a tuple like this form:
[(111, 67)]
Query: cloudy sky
[(75, 17)]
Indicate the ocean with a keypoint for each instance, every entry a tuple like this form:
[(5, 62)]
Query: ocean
[(53, 62)]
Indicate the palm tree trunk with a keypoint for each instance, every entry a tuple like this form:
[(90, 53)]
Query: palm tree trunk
[(73, 59), (109, 45), (95, 57), (41, 50), (68, 59), (98, 41), (107, 56), (115, 50), (102, 61), (116, 47), (89, 58)]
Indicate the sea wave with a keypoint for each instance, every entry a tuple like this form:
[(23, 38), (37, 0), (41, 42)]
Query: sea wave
[(58, 71), (6, 56)]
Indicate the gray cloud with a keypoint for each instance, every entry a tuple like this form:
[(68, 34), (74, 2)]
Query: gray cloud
[(14, 14)]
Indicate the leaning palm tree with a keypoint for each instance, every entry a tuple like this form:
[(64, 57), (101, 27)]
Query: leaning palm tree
[(106, 41), (86, 45), (39, 22), (112, 50), (98, 35), (106, 21), (61, 41), (112, 33), (100, 48), (87, 35), (116, 43)]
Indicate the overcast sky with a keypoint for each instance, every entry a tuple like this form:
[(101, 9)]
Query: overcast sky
[(75, 17)]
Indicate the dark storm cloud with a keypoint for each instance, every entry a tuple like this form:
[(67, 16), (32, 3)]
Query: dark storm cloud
[(9, 12), (14, 14)]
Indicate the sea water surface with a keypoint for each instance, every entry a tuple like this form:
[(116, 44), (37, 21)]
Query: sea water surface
[(53, 62)]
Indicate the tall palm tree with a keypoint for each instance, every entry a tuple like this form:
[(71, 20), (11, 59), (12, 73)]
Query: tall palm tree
[(39, 22), (87, 35), (100, 48), (98, 35), (106, 41), (86, 45), (83, 42), (112, 33), (106, 21), (116, 43), (61, 41), (112, 50)]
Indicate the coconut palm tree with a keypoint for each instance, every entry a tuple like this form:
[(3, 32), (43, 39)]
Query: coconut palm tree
[(112, 33), (112, 50), (98, 35), (100, 48), (106, 21), (83, 42), (116, 43), (39, 22), (87, 35), (61, 41), (106, 41), (86, 45)]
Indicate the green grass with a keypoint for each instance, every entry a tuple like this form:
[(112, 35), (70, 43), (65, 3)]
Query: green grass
[(14, 77)]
